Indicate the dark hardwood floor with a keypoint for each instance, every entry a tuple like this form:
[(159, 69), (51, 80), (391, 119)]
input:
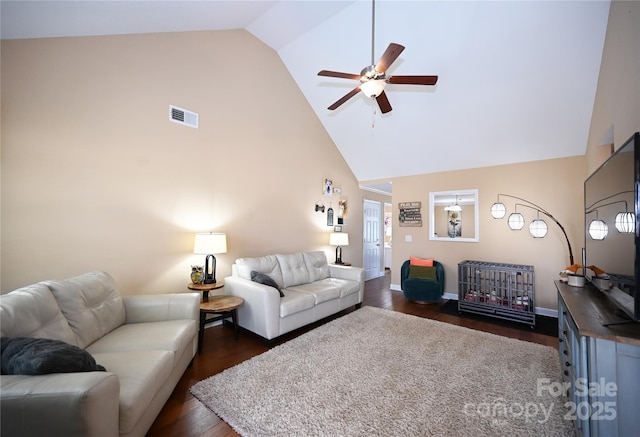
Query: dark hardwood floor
[(185, 416)]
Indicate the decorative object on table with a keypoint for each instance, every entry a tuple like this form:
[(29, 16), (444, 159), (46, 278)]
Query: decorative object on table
[(339, 239), (538, 227), (209, 244), (319, 207), (197, 274)]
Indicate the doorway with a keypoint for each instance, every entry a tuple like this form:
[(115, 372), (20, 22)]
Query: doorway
[(371, 247)]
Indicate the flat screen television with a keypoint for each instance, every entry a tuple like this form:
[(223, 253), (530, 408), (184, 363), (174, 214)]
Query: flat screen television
[(612, 227)]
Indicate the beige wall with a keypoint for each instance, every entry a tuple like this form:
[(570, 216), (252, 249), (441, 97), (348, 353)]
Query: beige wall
[(555, 185), (616, 113), (95, 176)]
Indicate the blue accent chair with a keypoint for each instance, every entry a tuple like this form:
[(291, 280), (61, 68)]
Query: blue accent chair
[(422, 290)]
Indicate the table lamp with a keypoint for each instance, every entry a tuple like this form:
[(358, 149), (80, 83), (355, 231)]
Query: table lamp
[(209, 244), (339, 239)]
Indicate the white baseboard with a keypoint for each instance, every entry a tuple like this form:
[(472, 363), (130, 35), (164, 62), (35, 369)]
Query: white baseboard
[(539, 310), (451, 296)]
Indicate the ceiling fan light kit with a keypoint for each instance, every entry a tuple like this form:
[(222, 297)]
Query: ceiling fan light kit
[(374, 79)]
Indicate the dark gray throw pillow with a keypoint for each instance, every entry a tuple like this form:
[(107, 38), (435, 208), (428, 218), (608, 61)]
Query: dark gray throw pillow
[(266, 280), (39, 356)]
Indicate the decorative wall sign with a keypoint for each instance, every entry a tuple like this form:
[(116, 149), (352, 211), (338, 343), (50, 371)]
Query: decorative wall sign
[(330, 216), (410, 214)]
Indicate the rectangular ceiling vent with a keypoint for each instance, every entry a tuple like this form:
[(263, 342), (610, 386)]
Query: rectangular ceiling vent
[(182, 116)]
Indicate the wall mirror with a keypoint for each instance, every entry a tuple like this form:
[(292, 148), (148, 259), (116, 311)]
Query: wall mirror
[(454, 216)]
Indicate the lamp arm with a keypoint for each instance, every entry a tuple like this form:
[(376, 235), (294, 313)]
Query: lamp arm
[(607, 204), (607, 198), (542, 210)]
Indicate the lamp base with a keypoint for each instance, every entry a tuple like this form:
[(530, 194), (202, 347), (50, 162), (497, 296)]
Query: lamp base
[(209, 270)]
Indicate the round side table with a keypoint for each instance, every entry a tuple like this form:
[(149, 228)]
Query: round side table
[(206, 288), (222, 307)]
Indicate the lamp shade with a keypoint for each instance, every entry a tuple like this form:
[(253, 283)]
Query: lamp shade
[(538, 228), (210, 243), (516, 221), (339, 239), (373, 88), (498, 210), (626, 222), (598, 230), (453, 208)]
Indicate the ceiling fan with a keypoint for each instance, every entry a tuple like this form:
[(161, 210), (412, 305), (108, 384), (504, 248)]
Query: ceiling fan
[(373, 78)]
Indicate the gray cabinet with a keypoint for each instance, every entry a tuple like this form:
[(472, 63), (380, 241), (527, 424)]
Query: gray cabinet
[(600, 364)]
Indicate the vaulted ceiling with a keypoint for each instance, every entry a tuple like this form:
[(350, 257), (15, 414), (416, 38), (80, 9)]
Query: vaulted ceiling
[(517, 79)]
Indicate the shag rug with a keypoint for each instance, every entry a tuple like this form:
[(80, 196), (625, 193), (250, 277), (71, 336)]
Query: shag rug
[(375, 372)]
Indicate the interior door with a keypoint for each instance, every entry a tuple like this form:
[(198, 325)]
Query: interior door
[(372, 212)]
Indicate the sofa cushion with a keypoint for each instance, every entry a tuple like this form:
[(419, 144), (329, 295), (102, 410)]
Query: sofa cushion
[(294, 269), (141, 374), (261, 278), (424, 272), (420, 262), (91, 303), (321, 291), (317, 265), (41, 356), (169, 335), (345, 286), (265, 264), (294, 302), (32, 311)]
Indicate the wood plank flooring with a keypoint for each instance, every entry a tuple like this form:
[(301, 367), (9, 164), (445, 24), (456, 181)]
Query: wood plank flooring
[(184, 416)]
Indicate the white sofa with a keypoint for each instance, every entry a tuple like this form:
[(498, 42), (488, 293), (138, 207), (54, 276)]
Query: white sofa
[(144, 342), (312, 289)]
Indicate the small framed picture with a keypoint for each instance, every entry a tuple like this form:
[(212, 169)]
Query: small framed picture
[(337, 228), (327, 187)]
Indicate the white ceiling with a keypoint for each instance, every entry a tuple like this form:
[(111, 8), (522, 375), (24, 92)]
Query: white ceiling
[(517, 79)]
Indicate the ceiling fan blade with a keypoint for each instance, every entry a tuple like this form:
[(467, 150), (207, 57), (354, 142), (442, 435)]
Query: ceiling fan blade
[(383, 102), (338, 74), (346, 97), (390, 55), (413, 80)]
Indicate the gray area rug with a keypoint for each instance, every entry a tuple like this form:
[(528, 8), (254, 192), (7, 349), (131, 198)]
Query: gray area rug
[(375, 372)]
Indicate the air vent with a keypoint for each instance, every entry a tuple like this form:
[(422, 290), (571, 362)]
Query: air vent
[(182, 116)]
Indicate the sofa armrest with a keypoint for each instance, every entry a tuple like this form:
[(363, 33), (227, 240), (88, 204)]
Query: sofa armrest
[(260, 312), (65, 404), (347, 272), (159, 307)]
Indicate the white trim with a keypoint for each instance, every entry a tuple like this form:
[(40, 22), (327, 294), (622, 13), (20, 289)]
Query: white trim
[(539, 310)]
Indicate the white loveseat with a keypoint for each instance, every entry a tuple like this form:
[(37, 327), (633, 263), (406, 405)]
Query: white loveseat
[(144, 342), (312, 290)]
